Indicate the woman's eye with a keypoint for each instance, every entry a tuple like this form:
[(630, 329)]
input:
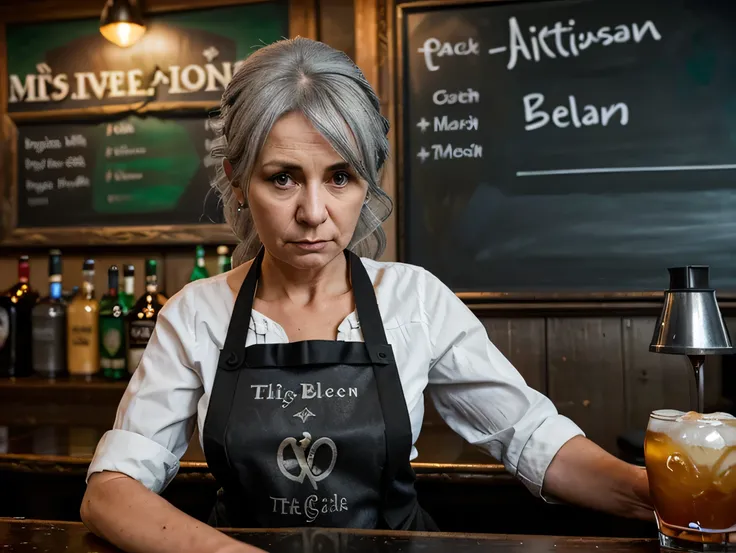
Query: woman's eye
[(282, 179), (341, 179)]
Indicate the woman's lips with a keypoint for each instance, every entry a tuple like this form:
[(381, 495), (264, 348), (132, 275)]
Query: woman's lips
[(311, 246)]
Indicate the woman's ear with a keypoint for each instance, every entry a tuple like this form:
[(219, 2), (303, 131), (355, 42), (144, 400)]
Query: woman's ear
[(228, 169), (239, 195)]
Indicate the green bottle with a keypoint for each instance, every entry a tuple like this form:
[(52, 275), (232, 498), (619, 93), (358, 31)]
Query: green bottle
[(128, 295), (142, 318), (200, 270), (113, 362)]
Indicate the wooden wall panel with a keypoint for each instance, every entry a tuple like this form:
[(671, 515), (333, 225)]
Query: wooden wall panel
[(652, 380), (585, 379), (176, 271), (8, 271), (438, 443), (336, 25), (366, 39), (178, 267), (373, 35), (713, 375), (522, 341)]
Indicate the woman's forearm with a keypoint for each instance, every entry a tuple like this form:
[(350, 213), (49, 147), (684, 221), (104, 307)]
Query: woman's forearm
[(127, 514), (584, 474)]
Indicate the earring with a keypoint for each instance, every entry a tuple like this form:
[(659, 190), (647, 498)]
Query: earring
[(240, 207)]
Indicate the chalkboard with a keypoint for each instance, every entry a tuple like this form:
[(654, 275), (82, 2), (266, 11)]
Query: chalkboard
[(110, 145), (186, 56), (568, 145), (136, 171)]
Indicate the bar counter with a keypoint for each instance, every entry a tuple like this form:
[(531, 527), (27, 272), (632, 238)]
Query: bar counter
[(49, 431), (33, 536)]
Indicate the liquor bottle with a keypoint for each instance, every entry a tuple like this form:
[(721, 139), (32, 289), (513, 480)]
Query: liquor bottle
[(112, 329), (16, 306), (128, 295), (142, 318), (49, 325), (224, 263), (83, 353), (200, 270)]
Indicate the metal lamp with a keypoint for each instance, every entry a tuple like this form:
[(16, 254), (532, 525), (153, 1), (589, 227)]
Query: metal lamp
[(121, 22), (691, 323)]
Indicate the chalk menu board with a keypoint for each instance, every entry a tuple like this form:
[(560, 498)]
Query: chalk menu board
[(131, 171), (113, 143), (569, 145)]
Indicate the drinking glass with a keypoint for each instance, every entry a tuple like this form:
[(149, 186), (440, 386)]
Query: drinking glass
[(691, 465)]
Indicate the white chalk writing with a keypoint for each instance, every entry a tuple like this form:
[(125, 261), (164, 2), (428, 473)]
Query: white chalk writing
[(433, 46), (40, 146), (443, 97), (564, 116)]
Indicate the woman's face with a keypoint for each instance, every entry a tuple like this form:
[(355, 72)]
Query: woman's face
[(304, 198)]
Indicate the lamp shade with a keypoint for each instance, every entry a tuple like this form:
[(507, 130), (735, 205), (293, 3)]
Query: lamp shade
[(121, 22), (690, 322)]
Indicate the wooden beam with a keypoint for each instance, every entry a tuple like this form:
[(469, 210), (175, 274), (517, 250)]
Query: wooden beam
[(366, 39), (303, 19), (373, 54), (101, 112), (117, 236)]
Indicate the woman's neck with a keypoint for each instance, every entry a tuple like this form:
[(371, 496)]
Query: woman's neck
[(281, 281)]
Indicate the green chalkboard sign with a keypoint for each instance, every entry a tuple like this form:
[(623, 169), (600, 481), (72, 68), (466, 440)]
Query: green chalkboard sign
[(110, 145), (183, 57), (130, 171)]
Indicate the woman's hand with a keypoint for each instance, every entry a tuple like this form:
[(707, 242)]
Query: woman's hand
[(240, 548), (126, 513), (584, 474)]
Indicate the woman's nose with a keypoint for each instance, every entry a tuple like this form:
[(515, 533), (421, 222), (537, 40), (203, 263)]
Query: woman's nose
[(312, 209)]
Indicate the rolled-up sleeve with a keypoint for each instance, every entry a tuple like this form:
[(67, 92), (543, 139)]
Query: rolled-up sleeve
[(156, 416), (483, 398)]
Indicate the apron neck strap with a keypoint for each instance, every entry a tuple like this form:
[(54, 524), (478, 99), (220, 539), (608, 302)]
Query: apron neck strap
[(365, 303), (240, 319)]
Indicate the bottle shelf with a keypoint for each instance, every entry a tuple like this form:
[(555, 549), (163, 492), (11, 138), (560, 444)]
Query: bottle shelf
[(36, 384), (34, 400)]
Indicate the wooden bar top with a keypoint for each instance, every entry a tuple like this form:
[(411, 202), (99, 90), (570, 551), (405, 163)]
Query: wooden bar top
[(33, 536)]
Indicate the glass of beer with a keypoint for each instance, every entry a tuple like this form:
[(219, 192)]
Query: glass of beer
[(691, 465)]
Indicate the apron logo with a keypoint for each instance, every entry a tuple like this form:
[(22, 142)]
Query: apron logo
[(304, 415), (305, 459)]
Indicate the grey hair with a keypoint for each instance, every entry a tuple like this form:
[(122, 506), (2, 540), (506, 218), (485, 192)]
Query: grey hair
[(332, 93)]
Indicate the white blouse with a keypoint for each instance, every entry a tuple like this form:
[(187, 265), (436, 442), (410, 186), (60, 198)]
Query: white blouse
[(438, 343)]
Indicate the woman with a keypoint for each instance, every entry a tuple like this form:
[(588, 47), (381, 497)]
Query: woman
[(300, 428)]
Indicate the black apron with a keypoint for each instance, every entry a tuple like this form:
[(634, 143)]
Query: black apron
[(312, 433)]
